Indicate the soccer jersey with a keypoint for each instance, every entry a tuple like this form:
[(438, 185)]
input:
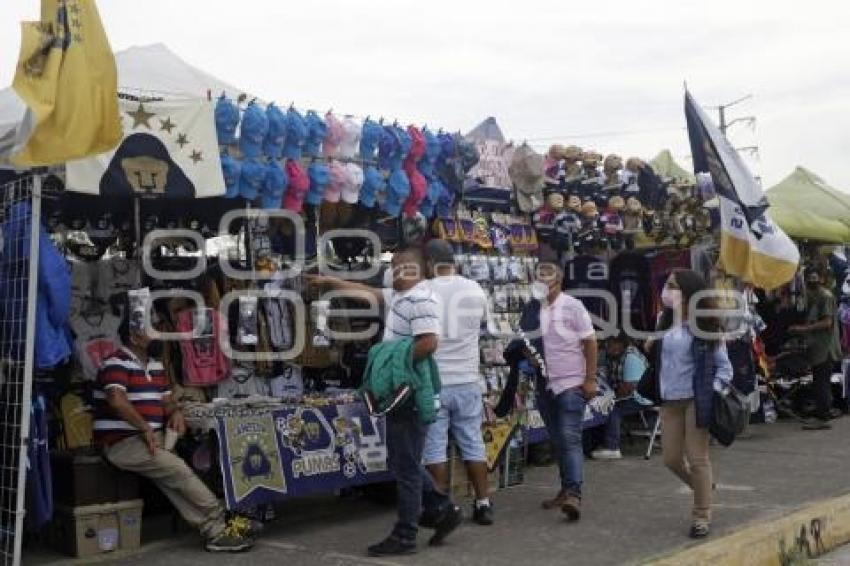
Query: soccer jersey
[(145, 387)]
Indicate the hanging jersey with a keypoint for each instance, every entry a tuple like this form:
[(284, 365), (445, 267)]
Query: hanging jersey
[(243, 382), (117, 275), (95, 339), (204, 362), (586, 278), (631, 287), (289, 384)]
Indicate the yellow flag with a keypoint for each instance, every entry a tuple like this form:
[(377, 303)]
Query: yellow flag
[(67, 77)]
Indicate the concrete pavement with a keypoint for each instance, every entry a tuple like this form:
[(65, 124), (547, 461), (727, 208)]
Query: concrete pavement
[(634, 510)]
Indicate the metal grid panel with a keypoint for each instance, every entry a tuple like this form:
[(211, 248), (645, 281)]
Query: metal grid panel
[(18, 278)]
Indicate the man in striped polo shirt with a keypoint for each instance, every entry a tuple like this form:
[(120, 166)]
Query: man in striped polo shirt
[(133, 405), (412, 311)]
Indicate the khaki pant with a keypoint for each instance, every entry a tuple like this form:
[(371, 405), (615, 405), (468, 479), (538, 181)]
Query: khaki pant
[(195, 502), (685, 450)]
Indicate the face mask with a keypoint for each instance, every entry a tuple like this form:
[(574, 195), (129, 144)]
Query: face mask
[(539, 290), (671, 298), (388, 278)]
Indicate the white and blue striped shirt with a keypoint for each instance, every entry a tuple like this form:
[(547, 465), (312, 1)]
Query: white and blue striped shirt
[(411, 313)]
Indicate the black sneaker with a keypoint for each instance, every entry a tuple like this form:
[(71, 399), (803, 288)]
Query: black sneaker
[(392, 546), (236, 537), (450, 520), (482, 514), (229, 542)]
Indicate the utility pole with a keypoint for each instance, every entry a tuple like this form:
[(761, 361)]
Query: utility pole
[(722, 111)]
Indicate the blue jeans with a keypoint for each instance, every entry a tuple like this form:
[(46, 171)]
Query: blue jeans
[(564, 415), (405, 440), (623, 408)]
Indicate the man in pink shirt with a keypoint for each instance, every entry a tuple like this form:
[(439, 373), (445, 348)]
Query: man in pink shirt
[(569, 354)]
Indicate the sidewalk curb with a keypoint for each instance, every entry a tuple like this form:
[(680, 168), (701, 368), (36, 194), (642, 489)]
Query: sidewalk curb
[(807, 533)]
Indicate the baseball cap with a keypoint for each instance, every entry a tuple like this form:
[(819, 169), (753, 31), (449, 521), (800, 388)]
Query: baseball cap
[(369, 138), (255, 126), (273, 144), (320, 177), (526, 172), (429, 203), (373, 183), (338, 180), (354, 180), (418, 188), (226, 120), (432, 145), (417, 145), (274, 186), (231, 169), (299, 183), (388, 148), (350, 139), (296, 133), (334, 136), (252, 178), (445, 202), (316, 132), (398, 189), (405, 143)]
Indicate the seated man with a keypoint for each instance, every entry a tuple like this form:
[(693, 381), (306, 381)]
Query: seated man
[(626, 365), (133, 405)]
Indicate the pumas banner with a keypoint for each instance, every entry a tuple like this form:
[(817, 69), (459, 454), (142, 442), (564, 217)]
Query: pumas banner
[(295, 451), (752, 246), (169, 149)]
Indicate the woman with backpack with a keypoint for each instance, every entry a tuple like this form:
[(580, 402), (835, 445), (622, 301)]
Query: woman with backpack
[(690, 364)]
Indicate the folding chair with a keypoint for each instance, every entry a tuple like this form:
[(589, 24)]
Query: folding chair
[(652, 433)]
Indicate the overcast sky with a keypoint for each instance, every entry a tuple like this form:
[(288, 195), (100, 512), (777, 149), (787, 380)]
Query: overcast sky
[(603, 75)]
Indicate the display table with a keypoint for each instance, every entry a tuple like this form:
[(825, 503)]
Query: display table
[(271, 451)]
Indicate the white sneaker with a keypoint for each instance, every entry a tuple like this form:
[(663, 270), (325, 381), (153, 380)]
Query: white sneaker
[(602, 454)]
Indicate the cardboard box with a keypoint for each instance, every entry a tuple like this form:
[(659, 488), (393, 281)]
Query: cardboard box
[(91, 530)]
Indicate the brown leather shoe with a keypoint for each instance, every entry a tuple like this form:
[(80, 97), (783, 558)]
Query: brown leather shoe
[(572, 507), (558, 501)]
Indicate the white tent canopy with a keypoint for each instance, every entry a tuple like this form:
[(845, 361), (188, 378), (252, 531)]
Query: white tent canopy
[(153, 70)]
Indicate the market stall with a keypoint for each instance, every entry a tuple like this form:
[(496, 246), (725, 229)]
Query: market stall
[(204, 219)]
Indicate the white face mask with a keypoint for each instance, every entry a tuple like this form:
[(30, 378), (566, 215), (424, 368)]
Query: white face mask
[(539, 290), (671, 298)]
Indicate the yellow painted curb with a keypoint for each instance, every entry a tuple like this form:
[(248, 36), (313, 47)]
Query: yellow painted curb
[(807, 533)]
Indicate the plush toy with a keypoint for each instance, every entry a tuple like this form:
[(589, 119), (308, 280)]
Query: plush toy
[(629, 177), (554, 164), (555, 202), (611, 168), (589, 216), (574, 204), (572, 169), (590, 164), (633, 216)]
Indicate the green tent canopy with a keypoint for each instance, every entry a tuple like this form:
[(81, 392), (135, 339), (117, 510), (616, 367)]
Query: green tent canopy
[(667, 168), (807, 208)]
